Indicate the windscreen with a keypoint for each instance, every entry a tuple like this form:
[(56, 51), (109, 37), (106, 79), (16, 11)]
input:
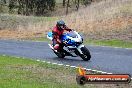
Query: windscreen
[(72, 34)]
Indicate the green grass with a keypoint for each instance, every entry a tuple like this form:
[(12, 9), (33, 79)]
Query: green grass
[(27, 73), (112, 42)]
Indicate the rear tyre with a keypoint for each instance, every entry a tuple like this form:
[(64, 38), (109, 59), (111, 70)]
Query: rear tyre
[(86, 54), (59, 54)]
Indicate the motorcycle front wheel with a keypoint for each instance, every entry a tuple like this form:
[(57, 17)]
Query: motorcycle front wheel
[(86, 54)]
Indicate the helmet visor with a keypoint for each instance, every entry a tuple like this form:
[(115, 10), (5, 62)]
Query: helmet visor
[(62, 26)]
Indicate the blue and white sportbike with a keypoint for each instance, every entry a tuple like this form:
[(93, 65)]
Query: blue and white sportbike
[(71, 46)]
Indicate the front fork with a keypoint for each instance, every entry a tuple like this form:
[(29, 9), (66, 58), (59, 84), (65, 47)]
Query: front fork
[(79, 48)]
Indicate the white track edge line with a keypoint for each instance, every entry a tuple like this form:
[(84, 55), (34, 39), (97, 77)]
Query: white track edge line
[(66, 65)]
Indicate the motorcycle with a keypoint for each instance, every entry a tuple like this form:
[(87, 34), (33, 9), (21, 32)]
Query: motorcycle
[(72, 43)]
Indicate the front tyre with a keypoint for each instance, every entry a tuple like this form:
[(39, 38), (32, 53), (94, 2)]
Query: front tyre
[(86, 54)]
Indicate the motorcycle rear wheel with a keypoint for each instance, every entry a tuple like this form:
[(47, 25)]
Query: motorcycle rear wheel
[(59, 54)]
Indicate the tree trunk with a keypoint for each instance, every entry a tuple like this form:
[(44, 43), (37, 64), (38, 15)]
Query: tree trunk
[(64, 2), (78, 4), (27, 13), (67, 7)]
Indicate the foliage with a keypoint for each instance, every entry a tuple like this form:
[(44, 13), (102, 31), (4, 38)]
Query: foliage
[(27, 73), (38, 7), (2, 5), (31, 7)]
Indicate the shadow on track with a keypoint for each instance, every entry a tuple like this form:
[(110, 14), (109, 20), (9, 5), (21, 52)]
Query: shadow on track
[(70, 60)]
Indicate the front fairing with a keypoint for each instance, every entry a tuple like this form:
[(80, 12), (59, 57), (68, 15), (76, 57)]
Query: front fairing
[(72, 38)]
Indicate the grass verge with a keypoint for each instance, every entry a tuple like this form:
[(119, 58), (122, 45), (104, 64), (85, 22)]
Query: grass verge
[(27, 73), (112, 42), (14, 22)]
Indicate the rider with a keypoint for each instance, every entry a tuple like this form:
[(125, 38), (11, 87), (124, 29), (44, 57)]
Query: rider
[(57, 31)]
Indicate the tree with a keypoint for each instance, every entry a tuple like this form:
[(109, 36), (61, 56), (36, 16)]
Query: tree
[(2, 5), (3, 2), (35, 7), (64, 2), (12, 5), (77, 6), (67, 7), (87, 2)]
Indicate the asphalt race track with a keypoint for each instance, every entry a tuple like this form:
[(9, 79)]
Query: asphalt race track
[(113, 60)]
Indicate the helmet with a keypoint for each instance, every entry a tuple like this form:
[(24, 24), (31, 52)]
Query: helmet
[(61, 24)]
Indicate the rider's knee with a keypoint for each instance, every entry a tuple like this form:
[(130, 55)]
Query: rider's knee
[(56, 46)]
